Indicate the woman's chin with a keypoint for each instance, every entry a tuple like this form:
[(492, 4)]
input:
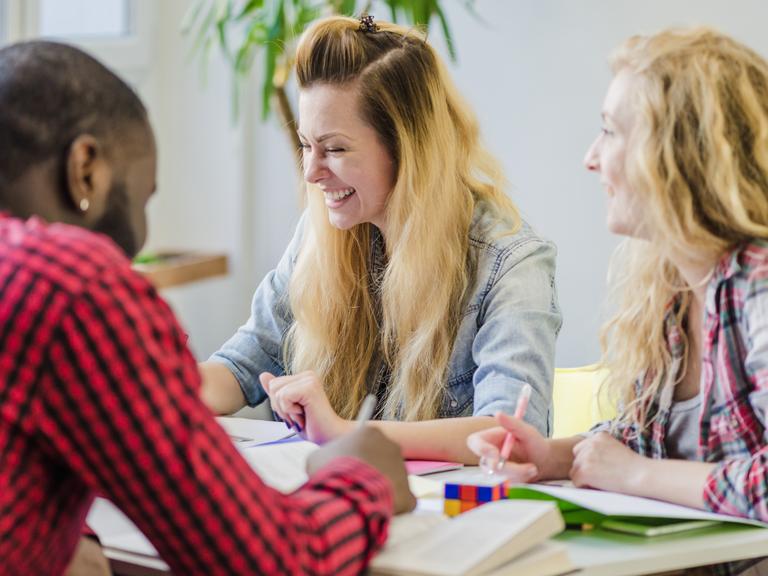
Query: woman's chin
[(340, 222)]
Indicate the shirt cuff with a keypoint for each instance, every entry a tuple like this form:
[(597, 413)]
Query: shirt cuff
[(368, 491)]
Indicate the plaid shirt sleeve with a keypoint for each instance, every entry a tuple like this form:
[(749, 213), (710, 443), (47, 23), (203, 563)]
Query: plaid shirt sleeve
[(120, 407), (739, 486)]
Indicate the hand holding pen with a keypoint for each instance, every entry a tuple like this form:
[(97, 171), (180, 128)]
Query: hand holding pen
[(491, 465), (369, 444), (366, 410)]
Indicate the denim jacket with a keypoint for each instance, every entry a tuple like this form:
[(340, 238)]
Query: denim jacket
[(506, 337)]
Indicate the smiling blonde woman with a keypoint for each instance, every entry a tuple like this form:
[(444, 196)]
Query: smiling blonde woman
[(411, 275)]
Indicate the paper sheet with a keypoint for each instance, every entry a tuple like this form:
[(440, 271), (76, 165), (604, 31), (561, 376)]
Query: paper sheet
[(247, 432)]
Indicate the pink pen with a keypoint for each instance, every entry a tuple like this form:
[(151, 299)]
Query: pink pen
[(509, 440)]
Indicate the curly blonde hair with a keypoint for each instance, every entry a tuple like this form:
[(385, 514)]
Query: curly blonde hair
[(698, 160), (442, 170)]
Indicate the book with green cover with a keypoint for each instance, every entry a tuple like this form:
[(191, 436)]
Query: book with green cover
[(623, 513)]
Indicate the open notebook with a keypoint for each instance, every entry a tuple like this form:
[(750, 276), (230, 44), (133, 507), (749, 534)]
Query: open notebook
[(504, 537), (622, 513), (282, 465)]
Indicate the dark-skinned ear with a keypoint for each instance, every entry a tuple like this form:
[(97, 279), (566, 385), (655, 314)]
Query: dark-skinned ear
[(88, 176)]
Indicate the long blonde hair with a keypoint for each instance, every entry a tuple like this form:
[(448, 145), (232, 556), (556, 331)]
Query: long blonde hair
[(698, 160), (441, 172)]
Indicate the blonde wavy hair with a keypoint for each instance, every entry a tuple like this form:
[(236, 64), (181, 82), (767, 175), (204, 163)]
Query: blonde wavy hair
[(442, 171), (698, 160)]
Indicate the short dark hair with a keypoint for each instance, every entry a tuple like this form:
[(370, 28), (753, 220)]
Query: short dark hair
[(50, 93)]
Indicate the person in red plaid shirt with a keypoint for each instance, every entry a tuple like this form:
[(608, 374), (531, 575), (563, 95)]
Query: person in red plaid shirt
[(98, 391), (683, 157)]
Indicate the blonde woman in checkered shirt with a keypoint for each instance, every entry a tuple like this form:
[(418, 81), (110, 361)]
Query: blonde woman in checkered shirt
[(683, 158)]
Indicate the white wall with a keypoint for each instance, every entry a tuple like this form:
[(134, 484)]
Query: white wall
[(535, 74)]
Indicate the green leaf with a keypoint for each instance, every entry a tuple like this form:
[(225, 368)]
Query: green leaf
[(204, 31), (268, 85), (304, 16), (249, 8), (191, 16), (393, 11), (273, 46), (347, 7), (446, 31)]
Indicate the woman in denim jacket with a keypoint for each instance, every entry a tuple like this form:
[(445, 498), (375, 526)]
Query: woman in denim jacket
[(411, 275)]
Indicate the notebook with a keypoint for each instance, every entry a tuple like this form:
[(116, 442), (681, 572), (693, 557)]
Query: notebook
[(623, 513), (546, 559), (248, 432), (488, 539)]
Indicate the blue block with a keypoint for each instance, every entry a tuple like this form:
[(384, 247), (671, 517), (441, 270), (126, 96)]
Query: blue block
[(452, 491), (485, 493)]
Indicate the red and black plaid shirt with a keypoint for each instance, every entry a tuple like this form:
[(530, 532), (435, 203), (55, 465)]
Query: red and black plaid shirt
[(98, 392)]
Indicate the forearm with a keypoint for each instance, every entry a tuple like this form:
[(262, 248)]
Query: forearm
[(220, 390), (190, 492), (444, 439), (559, 458), (677, 481)]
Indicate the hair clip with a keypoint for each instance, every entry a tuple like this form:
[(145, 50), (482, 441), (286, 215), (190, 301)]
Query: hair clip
[(367, 24)]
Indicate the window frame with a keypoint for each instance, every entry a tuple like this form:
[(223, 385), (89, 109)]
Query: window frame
[(129, 55)]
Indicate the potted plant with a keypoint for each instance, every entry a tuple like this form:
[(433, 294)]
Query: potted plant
[(241, 29)]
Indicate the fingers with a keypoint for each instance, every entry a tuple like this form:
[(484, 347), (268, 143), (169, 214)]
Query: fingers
[(582, 455), (266, 378), (578, 476), (291, 412), (486, 443), (519, 428), (295, 398), (523, 473)]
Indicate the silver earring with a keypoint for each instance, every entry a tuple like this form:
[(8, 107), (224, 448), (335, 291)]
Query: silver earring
[(84, 205)]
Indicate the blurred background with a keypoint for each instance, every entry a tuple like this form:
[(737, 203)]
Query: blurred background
[(535, 72)]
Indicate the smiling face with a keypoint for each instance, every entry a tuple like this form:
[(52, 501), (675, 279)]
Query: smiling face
[(608, 157), (343, 155)]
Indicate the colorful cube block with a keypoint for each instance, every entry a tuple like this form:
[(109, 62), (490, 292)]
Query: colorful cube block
[(476, 491)]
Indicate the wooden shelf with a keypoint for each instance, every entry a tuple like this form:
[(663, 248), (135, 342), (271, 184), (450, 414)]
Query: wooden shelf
[(178, 268)]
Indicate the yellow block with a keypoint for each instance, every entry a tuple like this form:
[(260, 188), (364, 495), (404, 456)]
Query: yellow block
[(452, 507)]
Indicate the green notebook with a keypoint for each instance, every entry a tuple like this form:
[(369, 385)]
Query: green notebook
[(622, 513)]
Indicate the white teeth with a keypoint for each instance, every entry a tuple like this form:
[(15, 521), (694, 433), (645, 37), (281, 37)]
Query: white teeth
[(339, 194)]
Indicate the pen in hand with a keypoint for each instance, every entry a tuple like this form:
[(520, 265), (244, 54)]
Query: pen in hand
[(366, 410), (487, 465)]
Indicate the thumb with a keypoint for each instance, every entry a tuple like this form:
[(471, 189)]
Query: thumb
[(265, 378)]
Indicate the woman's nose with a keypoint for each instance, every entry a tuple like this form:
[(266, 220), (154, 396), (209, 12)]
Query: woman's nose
[(314, 168), (591, 160)]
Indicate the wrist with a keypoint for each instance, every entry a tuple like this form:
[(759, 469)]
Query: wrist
[(638, 481), (557, 458), (344, 427)]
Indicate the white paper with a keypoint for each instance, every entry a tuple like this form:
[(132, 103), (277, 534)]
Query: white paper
[(247, 432), (282, 466), (613, 504), (460, 545)]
